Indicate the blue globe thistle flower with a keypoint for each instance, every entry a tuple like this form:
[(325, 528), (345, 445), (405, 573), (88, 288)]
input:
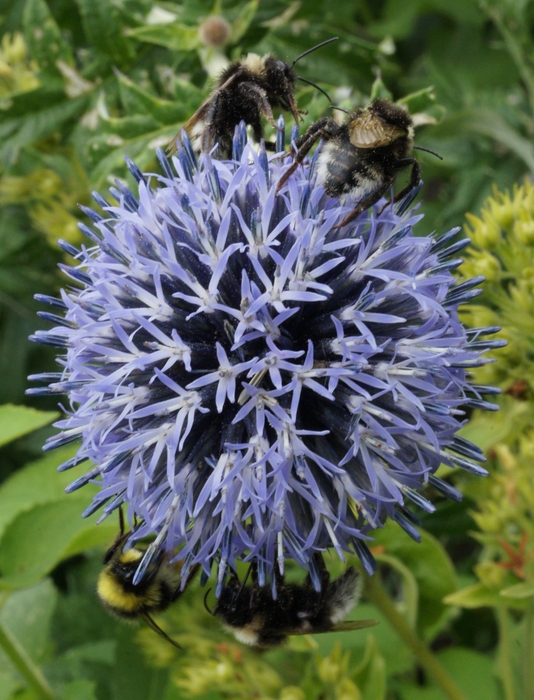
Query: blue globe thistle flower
[(252, 381)]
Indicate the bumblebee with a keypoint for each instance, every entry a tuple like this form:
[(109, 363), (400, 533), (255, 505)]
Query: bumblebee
[(245, 91), (362, 157), (256, 619), (158, 588)]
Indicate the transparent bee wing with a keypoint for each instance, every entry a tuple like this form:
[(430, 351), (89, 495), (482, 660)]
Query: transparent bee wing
[(157, 629), (347, 626), (350, 625)]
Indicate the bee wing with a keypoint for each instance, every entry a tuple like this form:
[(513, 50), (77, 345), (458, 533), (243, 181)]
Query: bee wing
[(350, 625), (369, 131), (200, 113), (347, 626), (157, 629)]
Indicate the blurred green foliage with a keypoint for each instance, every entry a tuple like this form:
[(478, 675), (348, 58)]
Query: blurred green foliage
[(83, 82)]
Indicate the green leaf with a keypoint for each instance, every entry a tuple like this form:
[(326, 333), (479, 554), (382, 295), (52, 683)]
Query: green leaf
[(243, 21), (429, 564), (139, 101), (419, 101), (82, 689), (370, 674), (28, 615), (520, 590), (44, 38), (39, 123), (409, 586), (25, 558), (9, 683), (16, 421), (175, 36), (478, 596), (105, 30), (37, 482)]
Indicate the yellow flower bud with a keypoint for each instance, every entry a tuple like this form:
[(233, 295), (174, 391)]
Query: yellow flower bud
[(347, 690), (292, 693), (490, 574), (524, 231)]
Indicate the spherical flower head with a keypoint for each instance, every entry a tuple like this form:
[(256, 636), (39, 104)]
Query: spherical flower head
[(253, 381)]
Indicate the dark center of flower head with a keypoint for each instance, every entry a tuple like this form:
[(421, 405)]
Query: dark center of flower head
[(253, 381)]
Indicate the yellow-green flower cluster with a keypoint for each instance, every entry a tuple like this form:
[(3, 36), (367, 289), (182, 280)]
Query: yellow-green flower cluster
[(503, 251), (17, 72), (504, 515)]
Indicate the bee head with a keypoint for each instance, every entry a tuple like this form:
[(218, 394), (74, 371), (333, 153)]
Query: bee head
[(392, 114), (280, 83)]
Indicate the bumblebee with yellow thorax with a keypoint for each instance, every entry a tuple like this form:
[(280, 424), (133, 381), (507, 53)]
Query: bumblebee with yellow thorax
[(159, 586)]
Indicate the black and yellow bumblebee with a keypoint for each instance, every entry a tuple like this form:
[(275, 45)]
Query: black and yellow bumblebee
[(257, 619), (245, 91), (159, 587), (363, 156)]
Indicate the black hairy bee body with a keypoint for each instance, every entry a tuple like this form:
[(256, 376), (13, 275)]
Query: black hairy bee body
[(256, 619), (159, 587), (247, 90), (363, 156)]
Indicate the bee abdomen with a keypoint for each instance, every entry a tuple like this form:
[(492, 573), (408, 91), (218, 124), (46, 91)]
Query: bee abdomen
[(341, 172)]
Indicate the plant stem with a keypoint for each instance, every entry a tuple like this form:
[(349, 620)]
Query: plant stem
[(504, 653), (376, 593), (20, 659)]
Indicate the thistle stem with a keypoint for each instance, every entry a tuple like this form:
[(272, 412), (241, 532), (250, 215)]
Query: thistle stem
[(504, 655), (377, 595), (20, 659)]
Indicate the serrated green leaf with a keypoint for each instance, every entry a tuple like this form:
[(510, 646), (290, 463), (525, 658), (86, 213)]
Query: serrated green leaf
[(44, 37), (243, 21), (139, 101), (16, 421), (25, 557), (175, 36), (129, 127), (520, 590), (430, 565), (39, 123), (479, 596), (105, 30)]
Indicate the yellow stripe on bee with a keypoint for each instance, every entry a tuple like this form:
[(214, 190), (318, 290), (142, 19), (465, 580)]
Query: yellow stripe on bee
[(124, 602)]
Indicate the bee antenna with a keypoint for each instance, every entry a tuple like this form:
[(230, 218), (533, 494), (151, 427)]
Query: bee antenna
[(157, 629), (339, 108), (314, 48), (121, 519), (211, 612), (305, 80), (420, 148)]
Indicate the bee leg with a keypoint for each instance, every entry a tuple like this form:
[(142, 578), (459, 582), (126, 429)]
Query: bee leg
[(415, 179), (366, 203), (321, 129), (264, 104)]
